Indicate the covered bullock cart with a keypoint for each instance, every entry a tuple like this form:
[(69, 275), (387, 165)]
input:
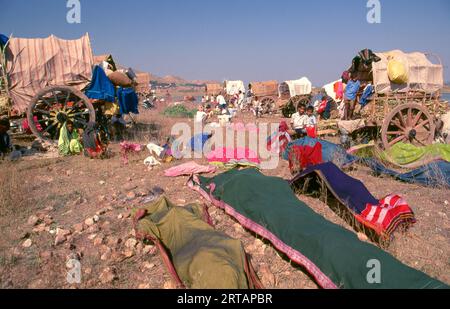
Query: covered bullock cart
[(43, 79), (406, 94)]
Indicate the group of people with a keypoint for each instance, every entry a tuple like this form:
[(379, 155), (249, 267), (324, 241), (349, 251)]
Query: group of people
[(304, 122), (88, 140)]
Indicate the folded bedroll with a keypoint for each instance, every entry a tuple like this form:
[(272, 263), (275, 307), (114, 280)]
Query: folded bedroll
[(334, 256), (196, 255)]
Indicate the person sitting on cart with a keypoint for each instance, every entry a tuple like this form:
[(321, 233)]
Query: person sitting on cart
[(5, 139), (299, 121), (69, 142), (351, 91)]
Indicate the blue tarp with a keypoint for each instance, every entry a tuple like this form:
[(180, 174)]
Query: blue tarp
[(433, 174), (3, 40), (198, 142), (101, 87), (128, 100)]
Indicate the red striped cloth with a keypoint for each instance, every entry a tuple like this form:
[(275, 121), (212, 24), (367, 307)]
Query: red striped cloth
[(388, 214)]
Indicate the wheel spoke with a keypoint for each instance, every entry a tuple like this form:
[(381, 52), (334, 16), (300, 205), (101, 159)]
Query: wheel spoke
[(402, 121), (417, 118), (420, 142), (81, 120), (78, 114), (67, 98), (423, 123), (394, 132), (409, 117), (396, 140), (56, 97), (46, 102), (41, 111), (49, 127), (397, 124)]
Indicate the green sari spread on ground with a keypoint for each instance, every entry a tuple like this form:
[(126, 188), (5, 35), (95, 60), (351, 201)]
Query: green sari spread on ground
[(69, 144)]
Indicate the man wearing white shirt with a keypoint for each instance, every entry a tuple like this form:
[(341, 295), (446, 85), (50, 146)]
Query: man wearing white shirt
[(299, 120), (221, 101)]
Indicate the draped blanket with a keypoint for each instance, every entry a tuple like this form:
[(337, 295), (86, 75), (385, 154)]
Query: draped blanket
[(383, 216), (434, 174), (331, 254), (196, 255)]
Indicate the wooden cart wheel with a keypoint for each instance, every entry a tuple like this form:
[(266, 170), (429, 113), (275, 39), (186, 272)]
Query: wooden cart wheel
[(268, 105), (408, 123), (291, 106), (54, 105)]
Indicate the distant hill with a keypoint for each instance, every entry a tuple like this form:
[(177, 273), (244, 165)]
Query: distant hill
[(446, 88)]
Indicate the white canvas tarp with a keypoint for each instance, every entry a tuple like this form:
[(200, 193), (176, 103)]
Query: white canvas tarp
[(33, 64), (423, 75), (329, 89), (233, 87), (300, 86)]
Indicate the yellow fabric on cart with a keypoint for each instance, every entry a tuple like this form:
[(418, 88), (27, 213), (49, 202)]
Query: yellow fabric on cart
[(397, 72)]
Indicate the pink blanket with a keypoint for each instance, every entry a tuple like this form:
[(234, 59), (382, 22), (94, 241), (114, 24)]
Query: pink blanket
[(189, 169), (225, 155), (241, 127)]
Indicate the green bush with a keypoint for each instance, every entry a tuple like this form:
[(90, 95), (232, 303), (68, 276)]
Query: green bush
[(179, 111)]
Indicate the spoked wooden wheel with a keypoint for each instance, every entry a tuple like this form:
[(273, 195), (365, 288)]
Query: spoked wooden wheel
[(268, 105), (53, 106), (408, 123), (291, 106)]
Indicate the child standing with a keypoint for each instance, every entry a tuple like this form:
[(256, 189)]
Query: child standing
[(257, 107), (311, 123)]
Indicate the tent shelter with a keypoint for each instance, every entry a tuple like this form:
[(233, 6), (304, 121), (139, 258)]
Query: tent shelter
[(293, 88), (233, 87)]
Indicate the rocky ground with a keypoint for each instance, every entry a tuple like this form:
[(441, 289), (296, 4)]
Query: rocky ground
[(54, 210)]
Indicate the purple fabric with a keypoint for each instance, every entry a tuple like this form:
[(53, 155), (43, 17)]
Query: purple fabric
[(349, 190)]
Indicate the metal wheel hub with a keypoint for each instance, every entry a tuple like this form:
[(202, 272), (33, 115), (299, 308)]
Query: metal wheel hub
[(412, 134), (61, 117)]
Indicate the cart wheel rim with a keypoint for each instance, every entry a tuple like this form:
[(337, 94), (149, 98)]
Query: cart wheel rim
[(408, 123), (53, 106)]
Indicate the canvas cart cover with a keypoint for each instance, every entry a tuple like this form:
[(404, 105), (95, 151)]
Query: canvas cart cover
[(233, 87), (267, 88), (300, 86), (143, 82), (423, 75), (214, 89), (33, 64)]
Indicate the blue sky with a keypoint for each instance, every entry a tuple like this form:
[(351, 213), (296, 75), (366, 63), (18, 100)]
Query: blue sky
[(233, 39)]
